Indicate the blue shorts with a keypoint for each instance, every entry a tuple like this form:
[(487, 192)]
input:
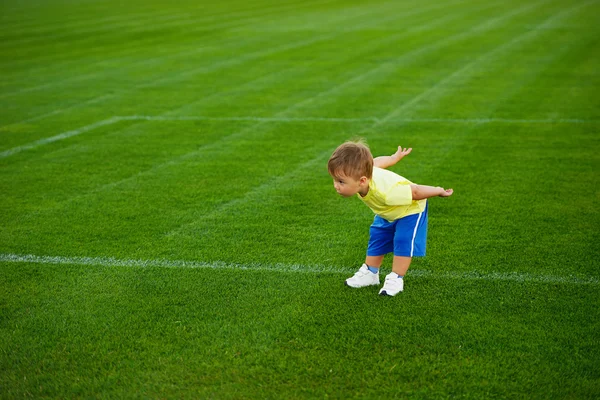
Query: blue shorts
[(406, 237)]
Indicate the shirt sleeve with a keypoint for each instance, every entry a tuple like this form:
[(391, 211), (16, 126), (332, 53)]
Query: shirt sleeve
[(399, 195)]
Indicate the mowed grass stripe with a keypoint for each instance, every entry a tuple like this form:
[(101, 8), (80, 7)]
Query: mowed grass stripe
[(354, 80), (504, 305), (345, 19), (486, 99), (103, 98), (293, 268), (370, 48), (113, 184), (137, 176), (279, 182), (92, 22), (498, 93), (446, 86), (261, 192), (548, 162), (579, 79), (432, 49), (199, 26), (125, 54), (36, 38), (164, 79), (31, 15), (19, 27), (214, 66), (282, 185), (154, 24), (163, 165)]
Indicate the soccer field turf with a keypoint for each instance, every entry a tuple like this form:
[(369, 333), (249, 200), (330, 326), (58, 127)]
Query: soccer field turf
[(169, 229)]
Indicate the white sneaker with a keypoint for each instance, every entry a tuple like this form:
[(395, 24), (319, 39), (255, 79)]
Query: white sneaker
[(363, 277), (392, 285)]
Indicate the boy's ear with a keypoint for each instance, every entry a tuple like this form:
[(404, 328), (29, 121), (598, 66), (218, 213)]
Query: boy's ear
[(363, 180)]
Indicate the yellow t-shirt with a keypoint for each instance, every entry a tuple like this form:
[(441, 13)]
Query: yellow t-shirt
[(390, 196)]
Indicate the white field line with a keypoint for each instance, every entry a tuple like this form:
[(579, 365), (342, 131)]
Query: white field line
[(62, 136), (363, 119), (520, 277), (494, 120), (247, 118), (185, 53), (115, 119)]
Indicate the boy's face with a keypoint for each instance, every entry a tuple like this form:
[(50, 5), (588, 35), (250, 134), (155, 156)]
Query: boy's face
[(347, 186)]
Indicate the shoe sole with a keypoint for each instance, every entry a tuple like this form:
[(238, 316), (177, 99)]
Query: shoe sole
[(358, 287), (384, 293)]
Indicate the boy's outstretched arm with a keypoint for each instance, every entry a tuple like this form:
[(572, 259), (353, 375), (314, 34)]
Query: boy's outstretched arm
[(388, 161), (421, 192)]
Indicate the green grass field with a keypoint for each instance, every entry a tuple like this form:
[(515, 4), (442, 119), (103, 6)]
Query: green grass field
[(169, 229)]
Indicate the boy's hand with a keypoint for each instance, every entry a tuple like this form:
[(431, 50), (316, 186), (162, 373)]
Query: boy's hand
[(422, 192), (401, 153), (388, 161)]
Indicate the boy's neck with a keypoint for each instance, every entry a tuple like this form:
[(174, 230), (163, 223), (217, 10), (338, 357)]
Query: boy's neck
[(364, 189)]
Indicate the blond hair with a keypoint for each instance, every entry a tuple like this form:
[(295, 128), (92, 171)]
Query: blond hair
[(352, 159)]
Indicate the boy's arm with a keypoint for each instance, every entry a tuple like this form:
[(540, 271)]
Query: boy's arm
[(388, 161), (421, 192)]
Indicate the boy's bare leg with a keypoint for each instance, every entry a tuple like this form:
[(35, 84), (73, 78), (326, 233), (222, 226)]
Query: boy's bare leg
[(374, 261), (400, 265)]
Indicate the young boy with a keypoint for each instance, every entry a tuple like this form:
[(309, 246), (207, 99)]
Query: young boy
[(400, 208)]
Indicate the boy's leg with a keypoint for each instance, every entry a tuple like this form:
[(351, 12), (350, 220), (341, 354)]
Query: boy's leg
[(374, 261), (400, 265), (381, 236), (410, 241), (394, 282), (381, 241)]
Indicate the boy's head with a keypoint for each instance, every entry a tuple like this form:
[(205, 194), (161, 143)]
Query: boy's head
[(351, 159), (351, 166)]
